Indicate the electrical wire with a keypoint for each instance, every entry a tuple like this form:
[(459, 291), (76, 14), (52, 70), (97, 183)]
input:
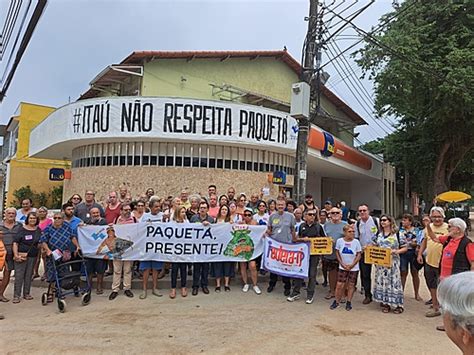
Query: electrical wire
[(17, 38), (10, 29), (378, 28), (368, 97)]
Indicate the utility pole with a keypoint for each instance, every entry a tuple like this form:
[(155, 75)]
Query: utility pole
[(312, 53)]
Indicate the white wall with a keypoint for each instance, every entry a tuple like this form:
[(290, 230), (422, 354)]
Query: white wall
[(367, 191)]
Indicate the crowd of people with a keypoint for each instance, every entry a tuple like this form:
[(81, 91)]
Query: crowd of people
[(30, 235)]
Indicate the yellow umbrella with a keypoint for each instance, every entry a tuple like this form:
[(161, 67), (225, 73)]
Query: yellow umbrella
[(453, 196)]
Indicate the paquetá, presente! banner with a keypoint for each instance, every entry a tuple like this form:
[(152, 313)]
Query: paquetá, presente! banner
[(172, 242)]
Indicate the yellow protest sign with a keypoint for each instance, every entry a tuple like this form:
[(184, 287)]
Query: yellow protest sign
[(321, 246), (378, 256)]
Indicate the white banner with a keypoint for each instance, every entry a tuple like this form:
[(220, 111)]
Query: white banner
[(129, 118), (290, 260), (172, 242)]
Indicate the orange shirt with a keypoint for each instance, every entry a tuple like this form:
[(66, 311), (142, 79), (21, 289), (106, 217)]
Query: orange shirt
[(449, 252)]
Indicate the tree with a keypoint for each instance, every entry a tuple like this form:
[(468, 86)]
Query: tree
[(421, 66)]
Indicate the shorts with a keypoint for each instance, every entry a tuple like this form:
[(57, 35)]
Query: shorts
[(331, 265), (406, 259), (431, 276), (344, 276), (96, 266), (9, 261), (151, 264)]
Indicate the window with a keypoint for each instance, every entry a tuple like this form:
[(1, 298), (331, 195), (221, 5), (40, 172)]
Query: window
[(181, 155)]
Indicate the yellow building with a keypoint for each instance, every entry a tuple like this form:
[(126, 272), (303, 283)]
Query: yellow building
[(19, 169)]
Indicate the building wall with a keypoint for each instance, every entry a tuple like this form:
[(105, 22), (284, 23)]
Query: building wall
[(32, 173), (24, 170), (367, 191), (165, 180), (182, 78), (191, 79)]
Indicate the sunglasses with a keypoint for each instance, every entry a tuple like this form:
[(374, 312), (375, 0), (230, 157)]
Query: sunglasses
[(311, 214), (247, 214), (57, 218), (362, 210), (334, 212), (383, 219)]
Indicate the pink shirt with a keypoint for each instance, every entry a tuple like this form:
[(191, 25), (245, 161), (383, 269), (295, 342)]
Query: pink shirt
[(213, 211), (44, 224)]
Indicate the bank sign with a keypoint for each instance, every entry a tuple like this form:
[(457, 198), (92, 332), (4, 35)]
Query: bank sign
[(150, 118)]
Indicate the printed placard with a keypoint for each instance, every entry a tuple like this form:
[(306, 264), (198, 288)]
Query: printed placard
[(290, 260), (321, 246), (378, 256)]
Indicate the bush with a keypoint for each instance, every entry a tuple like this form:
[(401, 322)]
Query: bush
[(52, 199)]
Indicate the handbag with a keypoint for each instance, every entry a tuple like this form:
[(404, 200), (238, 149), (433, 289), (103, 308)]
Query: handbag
[(24, 256)]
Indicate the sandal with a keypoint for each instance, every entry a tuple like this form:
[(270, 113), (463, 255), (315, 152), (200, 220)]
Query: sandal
[(173, 293), (99, 291), (4, 299), (386, 309), (16, 300), (328, 296), (28, 297), (184, 292), (398, 310)]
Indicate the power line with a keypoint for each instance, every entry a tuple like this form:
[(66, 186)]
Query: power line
[(375, 30), (10, 29), (415, 64), (362, 88), (22, 24), (350, 85)]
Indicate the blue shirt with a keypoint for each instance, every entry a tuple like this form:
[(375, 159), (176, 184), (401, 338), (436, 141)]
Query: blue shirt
[(73, 223), (57, 238)]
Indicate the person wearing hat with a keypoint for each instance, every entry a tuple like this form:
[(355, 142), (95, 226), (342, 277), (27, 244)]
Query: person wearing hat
[(308, 203), (328, 206)]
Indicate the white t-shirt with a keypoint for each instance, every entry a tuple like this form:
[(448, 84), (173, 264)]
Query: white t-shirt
[(348, 252)]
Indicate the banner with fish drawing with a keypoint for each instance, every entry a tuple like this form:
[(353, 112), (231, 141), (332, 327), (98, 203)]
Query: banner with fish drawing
[(172, 242)]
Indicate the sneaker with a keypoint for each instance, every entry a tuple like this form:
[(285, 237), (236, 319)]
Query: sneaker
[(257, 290), (334, 305), (246, 288), (309, 300), (348, 305), (432, 313), (293, 297)]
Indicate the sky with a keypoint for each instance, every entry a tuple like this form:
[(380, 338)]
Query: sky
[(76, 39)]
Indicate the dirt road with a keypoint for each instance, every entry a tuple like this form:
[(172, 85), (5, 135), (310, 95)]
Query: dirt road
[(218, 323)]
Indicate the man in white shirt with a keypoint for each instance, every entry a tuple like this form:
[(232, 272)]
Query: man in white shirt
[(366, 229)]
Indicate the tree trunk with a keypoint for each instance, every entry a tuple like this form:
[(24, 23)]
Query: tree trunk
[(439, 173), (449, 157)]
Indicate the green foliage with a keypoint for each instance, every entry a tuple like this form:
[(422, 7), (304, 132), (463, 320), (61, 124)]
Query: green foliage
[(53, 199), (21, 194), (57, 197), (423, 75)]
